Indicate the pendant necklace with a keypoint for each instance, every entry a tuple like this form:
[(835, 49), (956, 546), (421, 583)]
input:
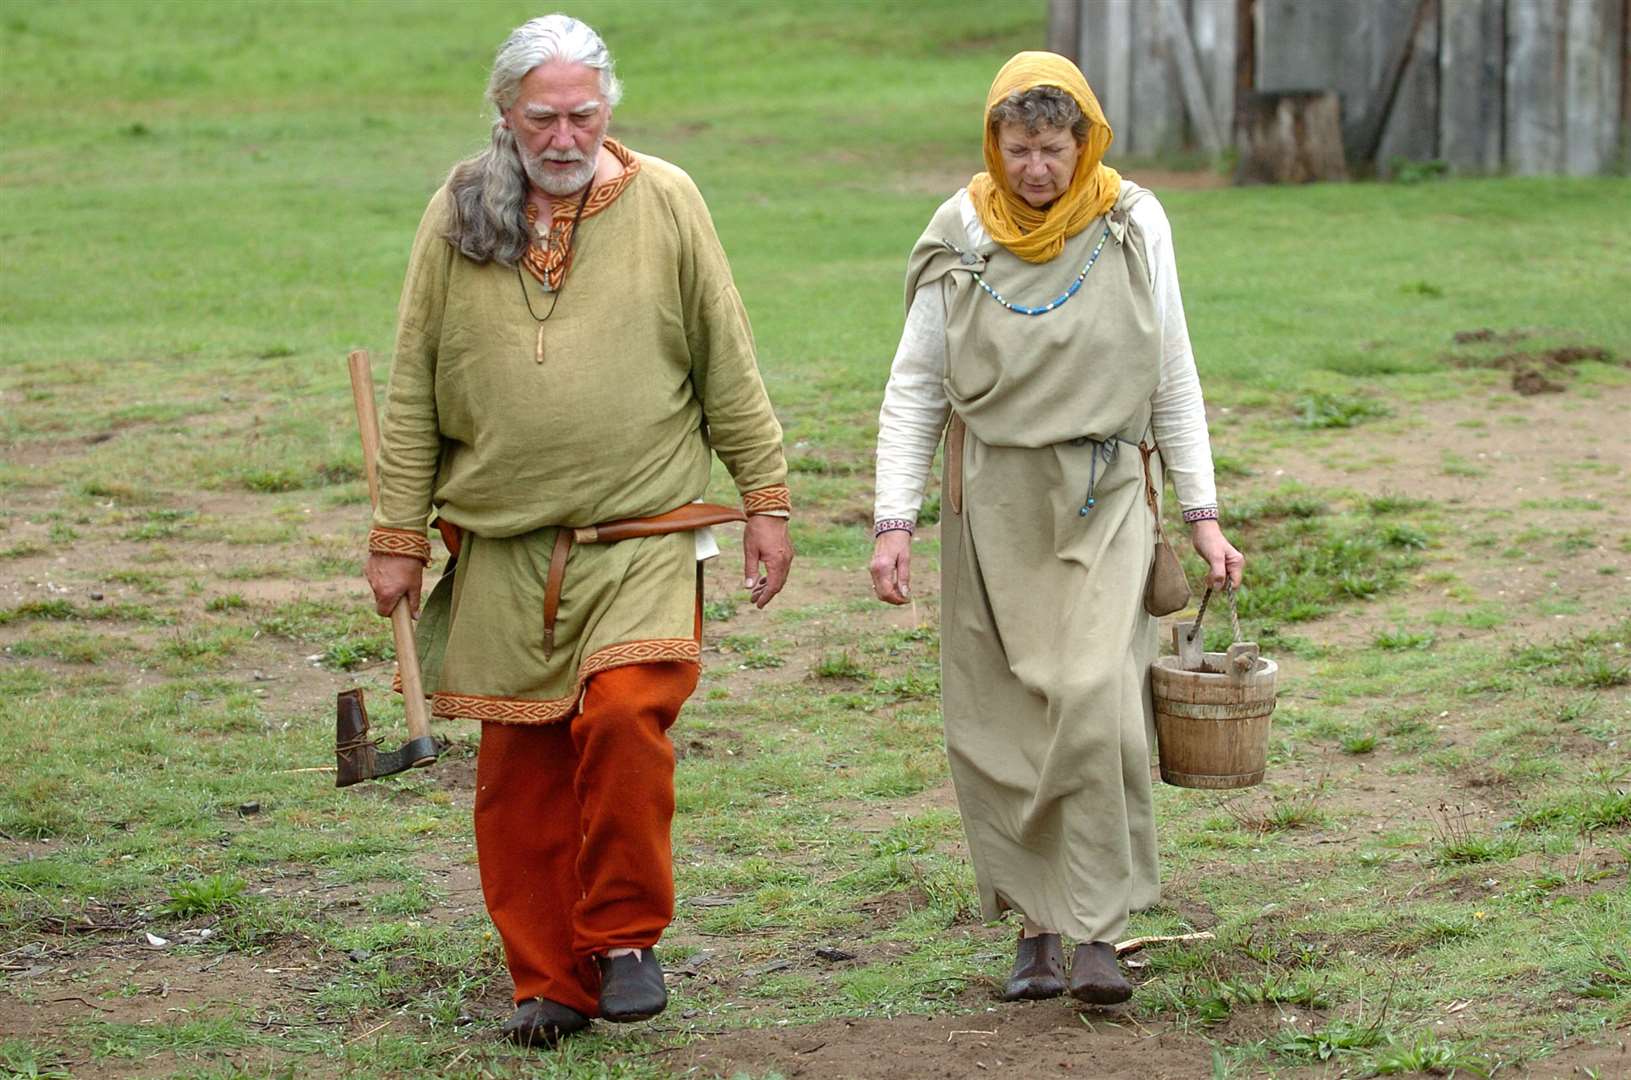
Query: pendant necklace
[(571, 240)]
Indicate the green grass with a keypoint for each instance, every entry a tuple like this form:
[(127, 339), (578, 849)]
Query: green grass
[(250, 191), (205, 896)]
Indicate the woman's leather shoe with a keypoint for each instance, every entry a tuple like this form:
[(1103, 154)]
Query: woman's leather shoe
[(1039, 969), (542, 1022), (1096, 978), (631, 987)]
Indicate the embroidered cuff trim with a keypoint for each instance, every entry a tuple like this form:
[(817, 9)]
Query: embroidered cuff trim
[(768, 499), (883, 525), (399, 542), (1200, 513)]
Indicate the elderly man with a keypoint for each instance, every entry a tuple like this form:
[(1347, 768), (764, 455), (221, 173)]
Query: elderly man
[(570, 345)]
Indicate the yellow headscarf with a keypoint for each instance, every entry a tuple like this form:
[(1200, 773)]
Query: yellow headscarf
[(1038, 235)]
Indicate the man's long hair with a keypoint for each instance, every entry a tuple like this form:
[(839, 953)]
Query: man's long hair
[(489, 190)]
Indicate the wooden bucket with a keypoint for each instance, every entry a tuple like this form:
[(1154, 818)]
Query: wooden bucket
[(1212, 710)]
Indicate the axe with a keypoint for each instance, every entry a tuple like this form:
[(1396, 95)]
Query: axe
[(358, 757)]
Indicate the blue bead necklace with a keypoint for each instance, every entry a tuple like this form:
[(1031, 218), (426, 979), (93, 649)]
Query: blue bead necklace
[(1075, 286)]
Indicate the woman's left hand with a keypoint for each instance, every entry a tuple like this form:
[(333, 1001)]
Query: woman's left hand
[(1222, 559)]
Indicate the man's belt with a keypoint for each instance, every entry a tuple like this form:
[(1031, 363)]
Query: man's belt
[(684, 519)]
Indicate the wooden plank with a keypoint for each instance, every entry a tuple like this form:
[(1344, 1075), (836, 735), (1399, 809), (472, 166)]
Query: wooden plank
[(1202, 121), (1212, 27), (1157, 120), (1591, 82), (1065, 28), (1297, 44), (1372, 32), (1394, 38), (1410, 131), (1472, 46), (1106, 52), (1624, 120), (1616, 121), (1580, 77), (1534, 86)]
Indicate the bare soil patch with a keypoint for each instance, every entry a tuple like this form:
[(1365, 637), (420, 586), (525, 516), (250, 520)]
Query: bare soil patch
[(1537, 498), (1041, 1039)]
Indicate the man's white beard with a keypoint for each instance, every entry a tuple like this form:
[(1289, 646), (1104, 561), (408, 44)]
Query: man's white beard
[(559, 183)]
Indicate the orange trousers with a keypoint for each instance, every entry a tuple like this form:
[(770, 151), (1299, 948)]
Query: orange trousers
[(572, 830)]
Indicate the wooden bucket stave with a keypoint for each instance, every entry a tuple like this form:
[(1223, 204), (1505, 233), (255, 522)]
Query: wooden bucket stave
[(1212, 729)]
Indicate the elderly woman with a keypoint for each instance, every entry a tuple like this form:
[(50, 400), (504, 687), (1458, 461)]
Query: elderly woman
[(1043, 316)]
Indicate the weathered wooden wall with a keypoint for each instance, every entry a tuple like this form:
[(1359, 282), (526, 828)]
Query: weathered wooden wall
[(1127, 50), (1524, 86)]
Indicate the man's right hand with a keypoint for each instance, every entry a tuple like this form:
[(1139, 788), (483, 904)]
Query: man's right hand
[(392, 577), (892, 566)]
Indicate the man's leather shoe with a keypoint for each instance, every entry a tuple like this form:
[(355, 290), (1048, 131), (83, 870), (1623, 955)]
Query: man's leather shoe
[(1095, 977), (1039, 969), (631, 987), (543, 1023)]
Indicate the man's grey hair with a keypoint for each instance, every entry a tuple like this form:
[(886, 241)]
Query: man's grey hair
[(489, 190), (1040, 107)]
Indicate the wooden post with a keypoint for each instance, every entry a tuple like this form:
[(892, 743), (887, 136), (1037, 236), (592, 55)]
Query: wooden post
[(1291, 138)]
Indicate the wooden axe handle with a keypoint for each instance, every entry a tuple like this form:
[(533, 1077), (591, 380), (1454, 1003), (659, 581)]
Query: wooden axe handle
[(407, 657)]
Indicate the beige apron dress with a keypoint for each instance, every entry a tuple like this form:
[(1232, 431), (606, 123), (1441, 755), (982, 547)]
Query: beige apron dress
[(1045, 645)]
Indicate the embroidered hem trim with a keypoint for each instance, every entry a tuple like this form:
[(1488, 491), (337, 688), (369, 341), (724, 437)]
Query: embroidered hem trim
[(1200, 513), (883, 525), (768, 499), (549, 264), (507, 710), (399, 542)]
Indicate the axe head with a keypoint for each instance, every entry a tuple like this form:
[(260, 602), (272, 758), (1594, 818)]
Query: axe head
[(357, 758)]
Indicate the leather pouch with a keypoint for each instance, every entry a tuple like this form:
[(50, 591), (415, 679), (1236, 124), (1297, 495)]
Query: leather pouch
[(1167, 589)]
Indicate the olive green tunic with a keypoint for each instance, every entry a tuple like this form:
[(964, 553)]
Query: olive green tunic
[(648, 364), (1045, 644)]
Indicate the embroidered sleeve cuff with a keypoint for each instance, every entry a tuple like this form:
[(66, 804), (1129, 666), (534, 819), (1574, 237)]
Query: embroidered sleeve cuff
[(1200, 513), (399, 542), (768, 500), (883, 525)]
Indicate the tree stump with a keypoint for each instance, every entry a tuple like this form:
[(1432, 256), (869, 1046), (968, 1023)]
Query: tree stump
[(1291, 137)]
